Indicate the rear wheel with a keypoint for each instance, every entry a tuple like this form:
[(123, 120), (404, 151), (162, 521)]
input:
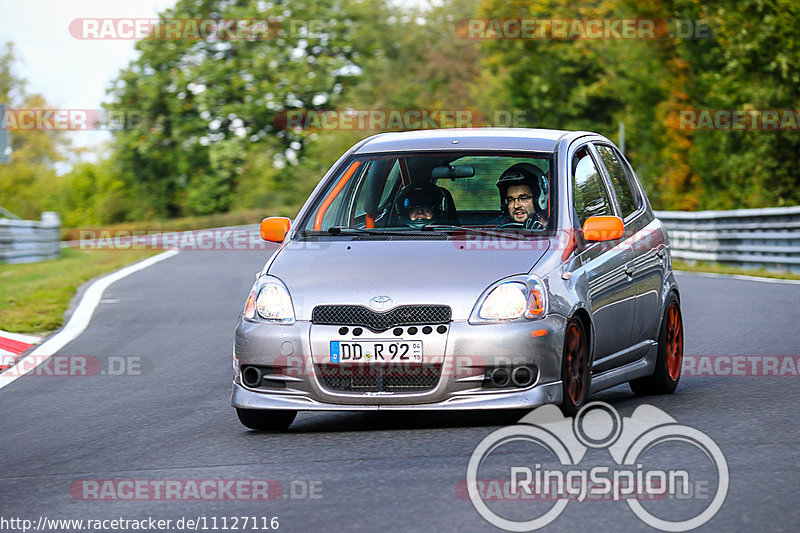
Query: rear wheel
[(576, 378), (266, 420), (670, 354)]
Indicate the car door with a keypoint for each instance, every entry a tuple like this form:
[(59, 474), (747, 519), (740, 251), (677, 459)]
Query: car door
[(607, 265), (647, 243)]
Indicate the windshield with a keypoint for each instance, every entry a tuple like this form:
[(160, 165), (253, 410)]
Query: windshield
[(418, 192)]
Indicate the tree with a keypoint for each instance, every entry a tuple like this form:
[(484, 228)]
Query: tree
[(645, 83), (26, 183), (208, 105)]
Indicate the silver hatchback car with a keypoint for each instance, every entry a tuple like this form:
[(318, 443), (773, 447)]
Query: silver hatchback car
[(461, 269)]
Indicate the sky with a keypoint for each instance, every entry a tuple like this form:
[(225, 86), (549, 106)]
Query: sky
[(70, 73)]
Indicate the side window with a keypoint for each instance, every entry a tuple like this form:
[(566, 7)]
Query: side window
[(619, 179), (589, 195)]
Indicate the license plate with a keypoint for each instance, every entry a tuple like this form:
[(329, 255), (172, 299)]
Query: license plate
[(376, 351)]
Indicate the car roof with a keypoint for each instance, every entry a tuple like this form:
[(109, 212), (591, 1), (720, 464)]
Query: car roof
[(458, 139)]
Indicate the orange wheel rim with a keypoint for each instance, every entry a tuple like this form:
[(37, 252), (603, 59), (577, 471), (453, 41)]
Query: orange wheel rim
[(577, 364), (674, 347)]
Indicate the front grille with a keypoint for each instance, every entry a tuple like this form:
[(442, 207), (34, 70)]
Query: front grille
[(379, 378), (357, 315)]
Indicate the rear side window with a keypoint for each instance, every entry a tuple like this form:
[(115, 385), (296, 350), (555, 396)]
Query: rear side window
[(589, 195), (619, 179)]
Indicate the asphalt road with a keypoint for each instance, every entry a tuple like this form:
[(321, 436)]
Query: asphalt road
[(168, 417)]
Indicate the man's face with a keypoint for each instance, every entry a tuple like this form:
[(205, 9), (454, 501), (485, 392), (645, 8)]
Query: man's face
[(518, 209), (421, 213)]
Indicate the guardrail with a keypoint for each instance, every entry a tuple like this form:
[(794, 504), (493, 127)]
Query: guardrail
[(27, 241), (768, 237)]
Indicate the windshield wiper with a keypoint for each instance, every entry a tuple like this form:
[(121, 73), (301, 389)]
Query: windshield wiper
[(478, 231), (343, 230)]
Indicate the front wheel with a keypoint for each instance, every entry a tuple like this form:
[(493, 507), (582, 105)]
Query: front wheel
[(670, 354), (266, 420), (576, 379)]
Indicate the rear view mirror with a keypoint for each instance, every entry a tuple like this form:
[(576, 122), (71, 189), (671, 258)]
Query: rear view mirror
[(603, 228), (453, 172), (274, 229)]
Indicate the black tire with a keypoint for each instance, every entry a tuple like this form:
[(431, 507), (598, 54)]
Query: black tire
[(266, 420), (576, 377), (670, 354)]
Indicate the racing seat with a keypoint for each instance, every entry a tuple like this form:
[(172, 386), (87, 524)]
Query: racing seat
[(450, 215)]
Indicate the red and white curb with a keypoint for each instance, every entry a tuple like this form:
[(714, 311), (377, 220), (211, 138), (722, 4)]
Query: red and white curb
[(12, 345)]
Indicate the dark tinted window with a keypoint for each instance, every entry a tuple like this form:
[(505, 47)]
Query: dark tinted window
[(589, 195), (619, 180)]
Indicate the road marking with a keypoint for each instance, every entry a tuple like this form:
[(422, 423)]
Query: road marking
[(741, 277), (83, 313)]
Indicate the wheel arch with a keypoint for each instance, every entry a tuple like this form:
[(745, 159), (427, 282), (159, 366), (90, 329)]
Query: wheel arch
[(583, 315)]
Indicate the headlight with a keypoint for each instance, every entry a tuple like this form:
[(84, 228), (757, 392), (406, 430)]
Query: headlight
[(269, 301), (505, 302), (514, 300)]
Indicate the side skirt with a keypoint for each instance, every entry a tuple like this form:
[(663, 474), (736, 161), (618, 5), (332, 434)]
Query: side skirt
[(635, 369)]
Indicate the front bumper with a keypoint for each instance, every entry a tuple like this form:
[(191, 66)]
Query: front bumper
[(534, 397), (462, 354)]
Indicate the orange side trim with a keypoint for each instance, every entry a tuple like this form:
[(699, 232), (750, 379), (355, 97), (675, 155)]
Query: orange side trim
[(570, 246), (539, 333), (331, 195)]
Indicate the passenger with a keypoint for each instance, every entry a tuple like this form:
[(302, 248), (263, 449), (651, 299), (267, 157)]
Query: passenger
[(421, 204), (523, 196)]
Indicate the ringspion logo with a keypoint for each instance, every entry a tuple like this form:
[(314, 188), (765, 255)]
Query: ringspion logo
[(545, 489)]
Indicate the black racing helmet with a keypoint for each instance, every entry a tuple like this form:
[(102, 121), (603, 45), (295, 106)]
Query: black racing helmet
[(425, 195), (525, 174)]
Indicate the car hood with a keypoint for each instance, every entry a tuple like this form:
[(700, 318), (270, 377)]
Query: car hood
[(446, 272)]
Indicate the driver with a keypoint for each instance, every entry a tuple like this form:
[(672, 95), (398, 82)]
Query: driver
[(421, 204), (523, 196)]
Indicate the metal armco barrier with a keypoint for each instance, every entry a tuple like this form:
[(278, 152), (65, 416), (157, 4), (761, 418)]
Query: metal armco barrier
[(27, 241), (768, 237)]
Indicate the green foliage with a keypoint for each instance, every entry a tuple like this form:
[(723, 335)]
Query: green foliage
[(595, 84), (210, 109), (27, 182)]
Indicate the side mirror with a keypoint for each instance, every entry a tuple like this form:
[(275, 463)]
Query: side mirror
[(603, 228), (274, 229)]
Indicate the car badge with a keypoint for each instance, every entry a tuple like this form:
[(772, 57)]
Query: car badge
[(380, 302)]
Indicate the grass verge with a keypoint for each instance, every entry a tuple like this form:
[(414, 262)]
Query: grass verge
[(34, 296), (716, 268)]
